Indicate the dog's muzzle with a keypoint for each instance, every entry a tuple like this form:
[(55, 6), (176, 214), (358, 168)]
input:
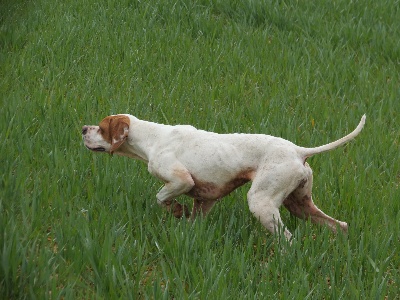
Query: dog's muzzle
[(84, 132)]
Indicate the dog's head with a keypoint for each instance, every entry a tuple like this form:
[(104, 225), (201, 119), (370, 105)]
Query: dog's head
[(108, 136)]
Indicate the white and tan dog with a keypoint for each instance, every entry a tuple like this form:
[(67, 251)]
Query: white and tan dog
[(208, 166)]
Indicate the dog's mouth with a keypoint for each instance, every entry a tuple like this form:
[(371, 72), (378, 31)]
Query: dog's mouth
[(97, 149)]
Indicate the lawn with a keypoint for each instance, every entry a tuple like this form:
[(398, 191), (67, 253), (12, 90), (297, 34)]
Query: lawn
[(80, 225)]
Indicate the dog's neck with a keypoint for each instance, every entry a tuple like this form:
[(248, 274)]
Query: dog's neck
[(141, 133)]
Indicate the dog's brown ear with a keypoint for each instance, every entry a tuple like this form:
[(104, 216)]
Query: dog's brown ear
[(118, 129)]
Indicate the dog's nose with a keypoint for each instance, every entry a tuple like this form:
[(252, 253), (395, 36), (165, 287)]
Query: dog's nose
[(84, 130)]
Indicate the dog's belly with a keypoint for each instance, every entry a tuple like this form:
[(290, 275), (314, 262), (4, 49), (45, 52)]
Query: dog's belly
[(204, 190)]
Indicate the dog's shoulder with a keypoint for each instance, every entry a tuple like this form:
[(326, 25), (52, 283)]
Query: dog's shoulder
[(179, 130), (184, 127)]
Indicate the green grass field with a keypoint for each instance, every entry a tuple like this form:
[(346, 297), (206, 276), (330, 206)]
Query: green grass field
[(80, 225)]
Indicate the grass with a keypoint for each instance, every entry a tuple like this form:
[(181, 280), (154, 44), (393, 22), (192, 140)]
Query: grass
[(76, 225)]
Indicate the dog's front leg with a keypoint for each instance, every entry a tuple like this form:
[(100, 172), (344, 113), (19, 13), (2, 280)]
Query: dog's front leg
[(177, 209), (165, 198), (178, 181), (201, 207)]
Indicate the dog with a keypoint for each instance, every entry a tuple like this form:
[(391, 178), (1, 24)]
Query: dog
[(207, 166)]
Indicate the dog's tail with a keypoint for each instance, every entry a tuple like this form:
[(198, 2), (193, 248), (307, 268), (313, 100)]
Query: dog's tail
[(307, 152)]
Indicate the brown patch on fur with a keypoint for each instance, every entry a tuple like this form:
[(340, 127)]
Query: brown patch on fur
[(302, 183), (303, 207), (202, 190), (297, 203), (210, 191), (114, 130), (178, 210), (201, 207), (299, 207), (183, 175)]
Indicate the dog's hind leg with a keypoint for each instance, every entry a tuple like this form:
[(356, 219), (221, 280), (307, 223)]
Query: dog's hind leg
[(266, 211), (267, 193), (301, 205)]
